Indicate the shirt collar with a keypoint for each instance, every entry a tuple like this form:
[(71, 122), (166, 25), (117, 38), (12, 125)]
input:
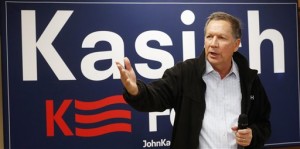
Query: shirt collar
[(234, 69), (209, 68)]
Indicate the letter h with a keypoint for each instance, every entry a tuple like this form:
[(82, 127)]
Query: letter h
[(255, 40)]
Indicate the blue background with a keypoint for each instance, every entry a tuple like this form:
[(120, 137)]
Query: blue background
[(24, 101)]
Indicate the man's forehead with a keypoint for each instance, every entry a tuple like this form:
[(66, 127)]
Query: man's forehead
[(218, 26)]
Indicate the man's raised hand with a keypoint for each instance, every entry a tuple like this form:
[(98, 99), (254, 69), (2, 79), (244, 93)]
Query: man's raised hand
[(128, 77)]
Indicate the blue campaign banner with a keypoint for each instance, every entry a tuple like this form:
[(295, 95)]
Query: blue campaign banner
[(63, 90)]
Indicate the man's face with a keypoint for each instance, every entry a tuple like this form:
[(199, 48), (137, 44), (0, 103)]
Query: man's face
[(220, 44)]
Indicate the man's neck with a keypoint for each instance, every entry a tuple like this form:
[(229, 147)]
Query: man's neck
[(223, 70)]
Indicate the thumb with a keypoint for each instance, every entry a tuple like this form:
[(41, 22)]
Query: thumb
[(234, 128)]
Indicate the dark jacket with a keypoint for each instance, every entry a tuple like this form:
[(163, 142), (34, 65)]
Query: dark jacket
[(183, 89)]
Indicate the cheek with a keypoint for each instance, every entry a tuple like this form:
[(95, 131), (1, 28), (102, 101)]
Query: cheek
[(227, 52), (205, 50), (205, 43), (206, 46)]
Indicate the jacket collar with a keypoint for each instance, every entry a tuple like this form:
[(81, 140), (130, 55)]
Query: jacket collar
[(247, 74)]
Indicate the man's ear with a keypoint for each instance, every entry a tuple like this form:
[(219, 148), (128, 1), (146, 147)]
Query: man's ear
[(237, 44)]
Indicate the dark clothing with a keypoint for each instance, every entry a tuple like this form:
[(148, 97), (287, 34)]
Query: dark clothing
[(183, 89)]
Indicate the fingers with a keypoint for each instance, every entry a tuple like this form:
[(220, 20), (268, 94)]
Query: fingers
[(127, 66), (122, 71), (244, 132), (127, 63), (119, 65), (243, 142), (128, 77), (244, 137)]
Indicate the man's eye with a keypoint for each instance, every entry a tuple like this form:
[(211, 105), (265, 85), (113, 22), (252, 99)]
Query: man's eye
[(221, 37)]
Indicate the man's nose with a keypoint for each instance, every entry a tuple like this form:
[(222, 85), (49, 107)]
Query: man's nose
[(214, 42)]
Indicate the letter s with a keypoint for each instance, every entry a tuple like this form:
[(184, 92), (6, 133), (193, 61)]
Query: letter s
[(116, 53), (162, 56)]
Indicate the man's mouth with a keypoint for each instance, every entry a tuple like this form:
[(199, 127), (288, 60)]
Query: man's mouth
[(213, 54)]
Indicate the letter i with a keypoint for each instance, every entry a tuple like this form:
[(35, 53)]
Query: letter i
[(188, 37)]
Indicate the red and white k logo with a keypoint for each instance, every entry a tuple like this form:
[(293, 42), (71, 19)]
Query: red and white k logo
[(87, 119)]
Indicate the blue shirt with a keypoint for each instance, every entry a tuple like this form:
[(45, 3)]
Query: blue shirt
[(223, 107)]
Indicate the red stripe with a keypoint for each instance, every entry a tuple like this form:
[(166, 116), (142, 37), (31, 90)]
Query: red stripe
[(92, 132), (86, 119), (83, 105)]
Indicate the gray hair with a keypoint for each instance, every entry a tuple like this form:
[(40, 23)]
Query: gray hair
[(235, 22)]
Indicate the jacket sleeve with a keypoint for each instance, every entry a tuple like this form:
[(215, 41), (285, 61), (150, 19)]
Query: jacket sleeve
[(259, 116), (158, 95)]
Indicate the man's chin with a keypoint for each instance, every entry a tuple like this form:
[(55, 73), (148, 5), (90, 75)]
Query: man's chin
[(212, 59)]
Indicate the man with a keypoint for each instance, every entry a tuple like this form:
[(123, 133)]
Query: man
[(208, 93)]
